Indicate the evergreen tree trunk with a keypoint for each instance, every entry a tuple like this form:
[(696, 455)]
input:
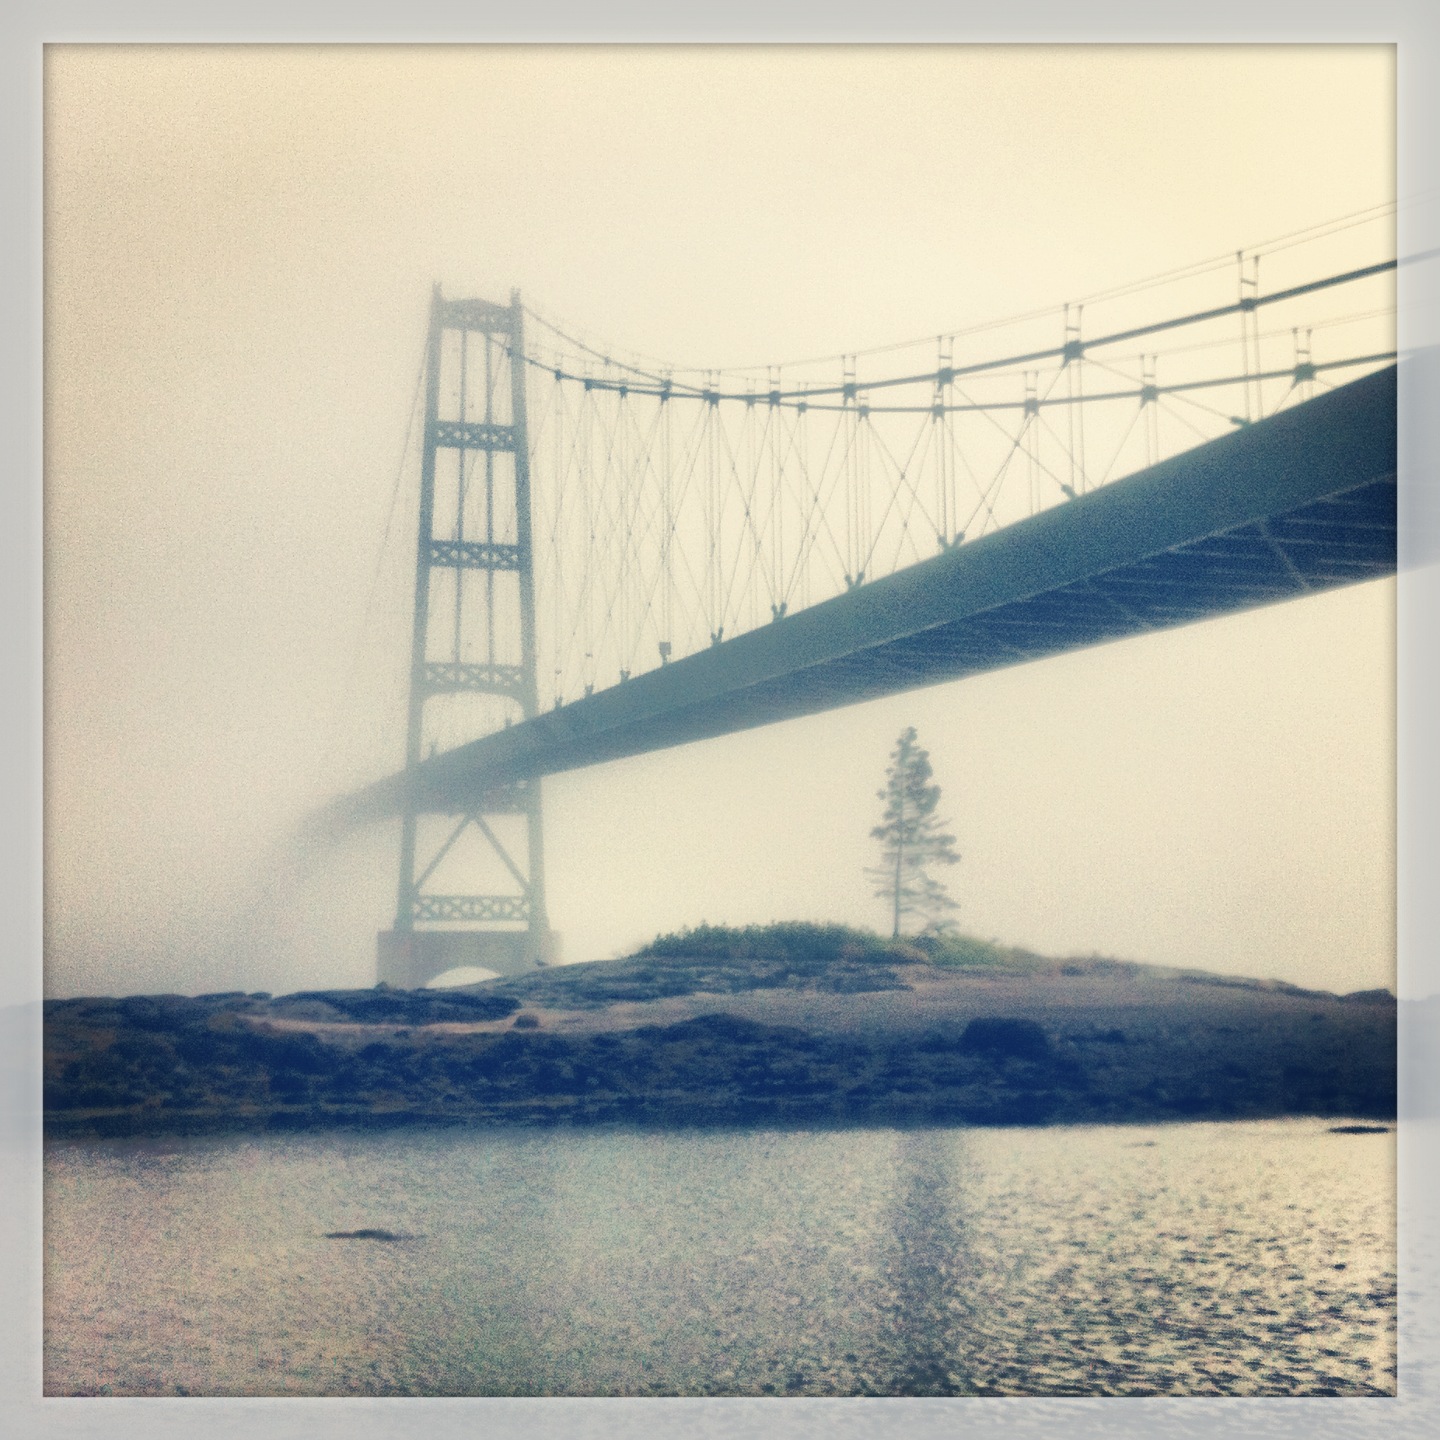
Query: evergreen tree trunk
[(899, 856)]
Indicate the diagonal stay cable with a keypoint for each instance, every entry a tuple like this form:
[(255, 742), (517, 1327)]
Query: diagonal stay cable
[(903, 477), (998, 480)]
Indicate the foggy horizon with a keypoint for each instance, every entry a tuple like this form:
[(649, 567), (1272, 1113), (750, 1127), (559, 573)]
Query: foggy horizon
[(240, 248)]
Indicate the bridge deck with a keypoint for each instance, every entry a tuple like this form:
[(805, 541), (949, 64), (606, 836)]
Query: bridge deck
[(1300, 502)]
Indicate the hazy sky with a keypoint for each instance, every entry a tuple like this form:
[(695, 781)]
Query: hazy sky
[(240, 248)]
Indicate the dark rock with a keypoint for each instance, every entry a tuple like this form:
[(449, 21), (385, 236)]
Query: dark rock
[(1002, 1036)]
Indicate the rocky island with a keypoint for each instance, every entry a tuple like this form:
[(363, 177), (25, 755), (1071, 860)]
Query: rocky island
[(785, 1025)]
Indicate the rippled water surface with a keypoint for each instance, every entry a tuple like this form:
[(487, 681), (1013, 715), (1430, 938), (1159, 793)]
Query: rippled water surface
[(1244, 1259)]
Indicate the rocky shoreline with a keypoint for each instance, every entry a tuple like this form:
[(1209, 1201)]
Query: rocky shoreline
[(818, 1027)]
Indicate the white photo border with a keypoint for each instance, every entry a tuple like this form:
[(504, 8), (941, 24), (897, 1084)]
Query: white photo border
[(1412, 25)]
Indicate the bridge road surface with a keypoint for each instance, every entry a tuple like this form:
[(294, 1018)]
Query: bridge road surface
[(1303, 501)]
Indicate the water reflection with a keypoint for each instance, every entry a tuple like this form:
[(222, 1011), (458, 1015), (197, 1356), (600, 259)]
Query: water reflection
[(1198, 1259)]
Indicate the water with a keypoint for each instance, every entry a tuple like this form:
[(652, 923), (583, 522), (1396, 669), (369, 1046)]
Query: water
[(1239, 1259)]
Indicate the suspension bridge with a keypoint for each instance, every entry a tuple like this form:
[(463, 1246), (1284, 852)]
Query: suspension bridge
[(616, 555)]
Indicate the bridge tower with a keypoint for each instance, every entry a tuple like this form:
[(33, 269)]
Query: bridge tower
[(473, 650)]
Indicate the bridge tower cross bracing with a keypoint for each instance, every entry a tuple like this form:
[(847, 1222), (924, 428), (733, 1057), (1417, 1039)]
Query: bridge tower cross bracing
[(507, 932)]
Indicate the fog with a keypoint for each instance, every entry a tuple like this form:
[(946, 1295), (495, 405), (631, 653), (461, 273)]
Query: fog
[(240, 246)]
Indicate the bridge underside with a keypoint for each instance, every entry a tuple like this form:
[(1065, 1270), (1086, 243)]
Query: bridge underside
[(1298, 503)]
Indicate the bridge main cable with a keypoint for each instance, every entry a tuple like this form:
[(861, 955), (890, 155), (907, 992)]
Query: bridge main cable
[(667, 389)]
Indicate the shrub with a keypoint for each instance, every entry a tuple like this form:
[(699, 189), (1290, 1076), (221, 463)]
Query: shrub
[(794, 941), (964, 952)]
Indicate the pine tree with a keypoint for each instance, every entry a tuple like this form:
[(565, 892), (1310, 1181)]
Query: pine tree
[(912, 838)]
